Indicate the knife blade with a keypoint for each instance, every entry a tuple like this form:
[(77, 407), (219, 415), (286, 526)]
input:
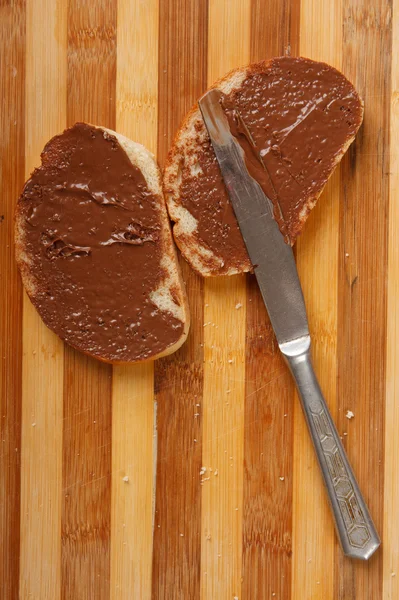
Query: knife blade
[(272, 258), (275, 270)]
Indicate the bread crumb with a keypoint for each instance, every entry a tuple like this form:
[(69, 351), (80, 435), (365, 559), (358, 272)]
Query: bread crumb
[(33, 424), (347, 254), (281, 478), (125, 479), (182, 535), (230, 360), (238, 305), (345, 433), (203, 470), (393, 574), (349, 414), (216, 472), (195, 440), (196, 414), (228, 391)]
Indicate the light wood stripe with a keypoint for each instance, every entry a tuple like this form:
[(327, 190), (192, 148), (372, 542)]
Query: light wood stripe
[(362, 327), (267, 512), (391, 458), (133, 414), (12, 173), (224, 368), (133, 457), (86, 510), (42, 365), (179, 378), (317, 259)]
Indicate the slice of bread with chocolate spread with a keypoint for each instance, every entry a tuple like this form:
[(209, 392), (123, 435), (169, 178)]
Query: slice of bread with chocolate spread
[(95, 250), (302, 116)]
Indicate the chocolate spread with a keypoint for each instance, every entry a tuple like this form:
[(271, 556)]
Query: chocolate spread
[(91, 232), (300, 115)]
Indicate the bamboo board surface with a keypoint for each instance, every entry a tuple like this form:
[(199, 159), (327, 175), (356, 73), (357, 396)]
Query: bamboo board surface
[(254, 525)]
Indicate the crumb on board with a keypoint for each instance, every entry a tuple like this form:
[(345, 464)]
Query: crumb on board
[(238, 305), (349, 414), (281, 478), (125, 479)]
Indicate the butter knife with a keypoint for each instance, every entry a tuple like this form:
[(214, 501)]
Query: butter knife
[(277, 276)]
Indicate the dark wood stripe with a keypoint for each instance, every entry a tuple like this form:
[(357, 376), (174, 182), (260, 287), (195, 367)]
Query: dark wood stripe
[(12, 167), (362, 328), (86, 508), (179, 378), (274, 28), (267, 521)]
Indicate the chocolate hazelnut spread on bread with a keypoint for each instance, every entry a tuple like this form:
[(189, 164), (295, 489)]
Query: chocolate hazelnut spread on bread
[(91, 248), (301, 115)]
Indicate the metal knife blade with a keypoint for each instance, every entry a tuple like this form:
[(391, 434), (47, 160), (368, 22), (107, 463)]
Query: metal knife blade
[(272, 257)]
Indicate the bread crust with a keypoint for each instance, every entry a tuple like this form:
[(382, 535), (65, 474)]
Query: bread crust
[(140, 157), (188, 242)]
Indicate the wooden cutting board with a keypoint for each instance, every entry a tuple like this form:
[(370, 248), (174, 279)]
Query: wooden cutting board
[(194, 478)]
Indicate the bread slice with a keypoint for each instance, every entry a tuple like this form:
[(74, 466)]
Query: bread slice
[(205, 228), (95, 249)]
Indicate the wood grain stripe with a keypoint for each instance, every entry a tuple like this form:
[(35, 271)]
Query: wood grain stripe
[(42, 364), (267, 513), (12, 172), (179, 378), (317, 259), (133, 414), (362, 325), (391, 458), (86, 507), (224, 368)]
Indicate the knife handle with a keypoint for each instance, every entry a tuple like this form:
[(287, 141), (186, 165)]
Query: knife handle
[(354, 525)]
